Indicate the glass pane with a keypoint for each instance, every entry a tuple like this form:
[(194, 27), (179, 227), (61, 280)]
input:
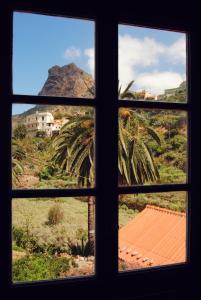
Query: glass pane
[(53, 238), (152, 230), (52, 146), (155, 60), (53, 56), (152, 146)]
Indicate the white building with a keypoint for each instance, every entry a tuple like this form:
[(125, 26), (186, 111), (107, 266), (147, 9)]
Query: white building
[(43, 121)]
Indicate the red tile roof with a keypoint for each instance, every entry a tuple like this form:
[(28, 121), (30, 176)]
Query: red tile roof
[(156, 236)]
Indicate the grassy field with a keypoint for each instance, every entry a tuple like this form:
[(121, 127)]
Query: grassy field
[(34, 213)]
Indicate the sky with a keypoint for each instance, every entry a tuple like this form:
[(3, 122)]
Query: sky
[(154, 59)]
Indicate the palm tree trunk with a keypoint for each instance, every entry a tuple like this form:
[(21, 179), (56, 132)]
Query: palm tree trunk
[(91, 223)]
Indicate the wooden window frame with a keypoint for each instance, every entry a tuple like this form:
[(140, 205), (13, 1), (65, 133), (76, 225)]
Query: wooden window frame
[(106, 105)]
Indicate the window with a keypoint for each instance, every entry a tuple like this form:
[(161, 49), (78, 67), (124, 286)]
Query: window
[(106, 110), (152, 147), (64, 233)]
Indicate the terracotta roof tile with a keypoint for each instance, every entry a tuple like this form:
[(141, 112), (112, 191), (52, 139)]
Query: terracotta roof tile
[(156, 236)]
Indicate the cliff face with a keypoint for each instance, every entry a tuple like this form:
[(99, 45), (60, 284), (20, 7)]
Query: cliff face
[(68, 81)]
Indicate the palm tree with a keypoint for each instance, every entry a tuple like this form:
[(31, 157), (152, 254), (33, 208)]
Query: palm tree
[(74, 152), (135, 160), (127, 93)]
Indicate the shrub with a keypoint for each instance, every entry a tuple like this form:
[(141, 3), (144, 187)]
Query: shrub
[(18, 153), (82, 246), (40, 267), (20, 132), (18, 234), (48, 172), (41, 134), (53, 249), (27, 241), (55, 215), (42, 146)]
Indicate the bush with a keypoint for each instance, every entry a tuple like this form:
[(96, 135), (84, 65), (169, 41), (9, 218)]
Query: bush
[(41, 134), (82, 246), (26, 241), (40, 267), (20, 132), (48, 172), (18, 153), (18, 234), (55, 215)]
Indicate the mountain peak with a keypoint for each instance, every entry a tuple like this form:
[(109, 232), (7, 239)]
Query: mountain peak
[(67, 81)]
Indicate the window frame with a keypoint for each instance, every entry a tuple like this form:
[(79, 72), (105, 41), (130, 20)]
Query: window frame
[(106, 88)]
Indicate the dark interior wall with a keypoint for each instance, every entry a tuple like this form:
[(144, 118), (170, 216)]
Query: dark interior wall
[(168, 284)]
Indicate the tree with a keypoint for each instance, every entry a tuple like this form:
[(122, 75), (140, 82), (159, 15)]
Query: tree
[(20, 131), (135, 160), (74, 152)]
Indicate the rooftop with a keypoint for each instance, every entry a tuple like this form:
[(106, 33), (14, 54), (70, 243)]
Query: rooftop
[(156, 236)]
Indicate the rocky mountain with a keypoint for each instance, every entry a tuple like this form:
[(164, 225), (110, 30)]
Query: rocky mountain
[(68, 81)]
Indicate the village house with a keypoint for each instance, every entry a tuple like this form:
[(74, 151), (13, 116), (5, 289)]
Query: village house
[(44, 121)]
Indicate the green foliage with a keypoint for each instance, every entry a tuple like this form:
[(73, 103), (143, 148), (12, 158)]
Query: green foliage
[(41, 134), (18, 153), (20, 132), (42, 146), (82, 246), (26, 240), (135, 203), (55, 215), (40, 267), (74, 149), (135, 160), (48, 172)]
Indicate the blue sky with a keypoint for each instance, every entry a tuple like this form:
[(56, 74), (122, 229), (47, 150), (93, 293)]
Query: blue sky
[(40, 42), (155, 59)]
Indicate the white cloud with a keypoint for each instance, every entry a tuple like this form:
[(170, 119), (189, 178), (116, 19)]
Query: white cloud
[(177, 51), (136, 54), (156, 82), (72, 52), (90, 53)]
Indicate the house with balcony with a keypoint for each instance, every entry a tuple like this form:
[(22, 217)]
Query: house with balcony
[(44, 122)]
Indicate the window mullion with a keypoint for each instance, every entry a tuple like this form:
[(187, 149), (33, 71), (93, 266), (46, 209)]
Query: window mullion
[(5, 162), (106, 151)]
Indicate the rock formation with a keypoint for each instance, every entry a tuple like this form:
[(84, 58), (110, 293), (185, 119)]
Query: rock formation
[(68, 81)]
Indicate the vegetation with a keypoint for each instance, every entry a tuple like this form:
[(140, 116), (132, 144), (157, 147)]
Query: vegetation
[(135, 162), (41, 244), (20, 131), (55, 215), (40, 267), (48, 233)]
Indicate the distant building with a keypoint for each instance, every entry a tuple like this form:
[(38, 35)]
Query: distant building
[(43, 121), (149, 96), (173, 91), (144, 95)]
